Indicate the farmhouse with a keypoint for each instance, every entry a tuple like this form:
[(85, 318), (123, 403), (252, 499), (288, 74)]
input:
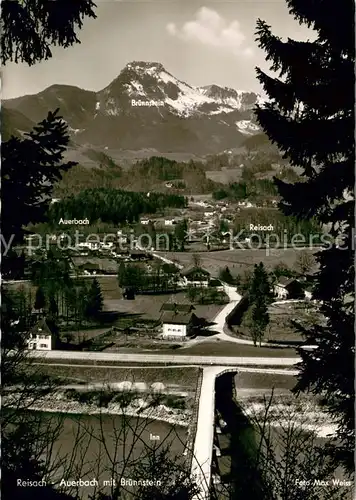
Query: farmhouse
[(91, 245), (89, 268), (219, 287), (40, 337), (287, 288), (95, 265), (139, 255), (176, 324), (177, 307), (195, 276)]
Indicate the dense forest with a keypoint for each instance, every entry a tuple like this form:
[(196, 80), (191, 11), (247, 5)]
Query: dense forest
[(256, 183), (112, 205), (150, 173), (188, 177)]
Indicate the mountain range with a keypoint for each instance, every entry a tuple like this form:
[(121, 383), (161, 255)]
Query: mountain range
[(180, 117)]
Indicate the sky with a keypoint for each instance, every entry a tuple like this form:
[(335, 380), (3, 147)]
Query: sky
[(201, 43)]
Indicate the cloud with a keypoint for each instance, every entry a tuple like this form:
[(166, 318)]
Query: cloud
[(211, 29)]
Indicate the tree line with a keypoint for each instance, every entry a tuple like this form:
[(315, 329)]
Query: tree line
[(254, 185), (162, 278), (140, 176), (60, 298), (112, 205)]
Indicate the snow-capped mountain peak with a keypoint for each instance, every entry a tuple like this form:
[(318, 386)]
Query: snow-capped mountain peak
[(141, 80), (146, 106)]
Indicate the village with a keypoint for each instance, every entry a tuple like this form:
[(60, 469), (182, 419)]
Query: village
[(149, 299)]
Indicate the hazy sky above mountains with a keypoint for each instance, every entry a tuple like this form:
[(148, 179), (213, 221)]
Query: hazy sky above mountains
[(199, 42)]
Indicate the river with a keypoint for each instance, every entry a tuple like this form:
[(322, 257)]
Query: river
[(107, 444)]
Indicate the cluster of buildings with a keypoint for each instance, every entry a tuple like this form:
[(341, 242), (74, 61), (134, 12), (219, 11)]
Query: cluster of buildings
[(178, 319), (291, 288)]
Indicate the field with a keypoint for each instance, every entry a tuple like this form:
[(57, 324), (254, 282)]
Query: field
[(222, 348), (108, 284), (281, 315), (263, 381), (110, 287), (148, 306), (238, 260), (104, 264), (280, 328), (225, 175), (185, 378), (145, 307)]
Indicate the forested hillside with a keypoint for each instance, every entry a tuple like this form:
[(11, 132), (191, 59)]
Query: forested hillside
[(111, 205), (149, 174)]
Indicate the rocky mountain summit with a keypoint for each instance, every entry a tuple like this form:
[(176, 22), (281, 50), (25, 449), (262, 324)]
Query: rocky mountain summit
[(145, 106)]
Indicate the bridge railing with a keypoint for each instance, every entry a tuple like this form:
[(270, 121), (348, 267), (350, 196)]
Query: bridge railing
[(194, 423)]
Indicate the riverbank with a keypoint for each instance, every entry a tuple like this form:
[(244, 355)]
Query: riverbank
[(136, 408), (285, 410)]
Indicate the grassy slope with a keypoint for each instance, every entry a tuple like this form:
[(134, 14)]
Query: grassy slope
[(183, 377)]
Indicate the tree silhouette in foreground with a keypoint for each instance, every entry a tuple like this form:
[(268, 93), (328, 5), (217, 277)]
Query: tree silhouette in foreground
[(30, 167), (289, 459), (29, 29), (32, 441), (310, 117)]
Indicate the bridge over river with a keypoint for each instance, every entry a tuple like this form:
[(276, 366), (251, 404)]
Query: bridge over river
[(204, 437), (213, 367)]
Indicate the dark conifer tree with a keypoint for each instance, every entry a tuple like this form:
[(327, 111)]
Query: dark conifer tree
[(29, 168), (260, 318), (121, 274), (260, 286), (40, 299), (310, 117), (52, 307), (94, 300), (225, 275)]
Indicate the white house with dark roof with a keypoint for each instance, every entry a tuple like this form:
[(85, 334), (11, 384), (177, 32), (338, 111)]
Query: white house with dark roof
[(176, 325), (40, 337), (195, 276), (287, 288)]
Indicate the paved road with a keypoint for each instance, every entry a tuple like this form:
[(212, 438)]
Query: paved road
[(166, 261), (220, 318), (167, 358)]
